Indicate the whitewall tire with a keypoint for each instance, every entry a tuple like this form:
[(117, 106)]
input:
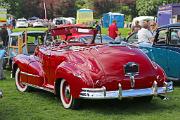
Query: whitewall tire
[(67, 100), (20, 86)]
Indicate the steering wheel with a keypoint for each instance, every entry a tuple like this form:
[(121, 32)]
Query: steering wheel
[(61, 42)]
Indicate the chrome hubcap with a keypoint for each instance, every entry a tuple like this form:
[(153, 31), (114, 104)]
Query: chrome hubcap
[(67, 92)]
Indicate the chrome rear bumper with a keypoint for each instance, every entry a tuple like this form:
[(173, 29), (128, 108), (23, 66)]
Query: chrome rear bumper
[(101, 93)]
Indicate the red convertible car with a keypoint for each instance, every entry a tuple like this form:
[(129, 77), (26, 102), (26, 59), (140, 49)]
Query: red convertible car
[(75, 70)]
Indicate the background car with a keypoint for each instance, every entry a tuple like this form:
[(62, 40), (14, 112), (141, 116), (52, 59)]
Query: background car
[(32, 20), (83, 34), (87, 38), (21, 23), (89, 71), (39, 23), (165, 50), (62, 21), (24, 43)]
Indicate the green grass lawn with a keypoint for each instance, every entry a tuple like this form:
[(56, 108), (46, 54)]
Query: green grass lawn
[(41, 105)]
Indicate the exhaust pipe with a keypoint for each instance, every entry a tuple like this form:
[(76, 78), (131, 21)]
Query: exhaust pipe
[(163, 97)]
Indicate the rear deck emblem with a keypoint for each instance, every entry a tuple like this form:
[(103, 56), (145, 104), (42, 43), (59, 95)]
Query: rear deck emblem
[(131, 69)]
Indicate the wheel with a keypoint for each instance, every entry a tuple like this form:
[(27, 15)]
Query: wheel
[(20, 86), (144, 99), (67, 100)]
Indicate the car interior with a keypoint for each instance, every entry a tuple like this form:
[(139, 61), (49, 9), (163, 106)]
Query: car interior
[(33, 41), (161, 37), (175, 37), (14, 40), (133, 38)]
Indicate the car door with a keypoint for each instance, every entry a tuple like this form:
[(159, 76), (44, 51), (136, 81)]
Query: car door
[(159, 49), (173, 54)]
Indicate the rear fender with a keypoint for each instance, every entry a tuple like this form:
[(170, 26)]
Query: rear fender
[(21, 62), (76, 78)]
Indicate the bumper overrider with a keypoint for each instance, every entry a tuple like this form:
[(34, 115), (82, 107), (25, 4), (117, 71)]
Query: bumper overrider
[(1, 93), (101, 93)]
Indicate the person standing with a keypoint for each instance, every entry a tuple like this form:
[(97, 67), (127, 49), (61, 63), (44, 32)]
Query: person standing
[(144, 34), (113, 30), (13, 23), (97, 30), (153, 28), (98, 27), (4, 35)]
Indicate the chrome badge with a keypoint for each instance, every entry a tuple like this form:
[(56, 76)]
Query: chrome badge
[(131, 69)]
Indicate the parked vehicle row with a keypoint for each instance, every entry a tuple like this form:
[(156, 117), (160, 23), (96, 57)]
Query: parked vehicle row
[(23, 23), (75, 69), (36, 22)]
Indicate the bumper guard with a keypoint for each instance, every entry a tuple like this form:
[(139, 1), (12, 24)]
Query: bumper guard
[(1, 93), (101, 93)]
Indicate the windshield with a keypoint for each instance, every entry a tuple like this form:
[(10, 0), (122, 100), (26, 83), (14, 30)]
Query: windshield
[(88, 39), (133, 38)]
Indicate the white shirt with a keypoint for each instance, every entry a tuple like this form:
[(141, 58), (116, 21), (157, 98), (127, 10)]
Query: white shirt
[(144, 35)]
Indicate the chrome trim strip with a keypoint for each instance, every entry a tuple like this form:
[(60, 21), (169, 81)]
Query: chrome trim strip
[(98, 93), (28, 74), (173, 79), (35, 86)]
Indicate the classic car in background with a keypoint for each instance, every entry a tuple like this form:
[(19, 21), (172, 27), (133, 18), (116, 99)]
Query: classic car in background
[(84, 38), (76, 71), (32, 20), (24, 43), (82, 34), (165, 50), (22, 22), (39, 23)]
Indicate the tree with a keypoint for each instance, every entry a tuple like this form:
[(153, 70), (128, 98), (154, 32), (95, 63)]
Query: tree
[(13, 6), (23, 8), (103, 6), (89, 4), (150, 7), (67, 8), (145, 7)]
